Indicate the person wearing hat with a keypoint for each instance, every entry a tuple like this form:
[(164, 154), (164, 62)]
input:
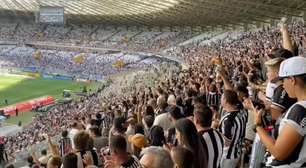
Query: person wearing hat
[(275, 99), (138, 141), (289, 148)]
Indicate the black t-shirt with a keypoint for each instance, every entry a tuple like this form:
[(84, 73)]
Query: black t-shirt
[(99, 122), (281, 99)]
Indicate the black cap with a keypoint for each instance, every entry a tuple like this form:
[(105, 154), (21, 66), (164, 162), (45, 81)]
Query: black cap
[(280, 53)]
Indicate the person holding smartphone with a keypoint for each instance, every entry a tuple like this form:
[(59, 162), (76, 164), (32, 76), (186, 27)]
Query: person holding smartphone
[(289, 149)]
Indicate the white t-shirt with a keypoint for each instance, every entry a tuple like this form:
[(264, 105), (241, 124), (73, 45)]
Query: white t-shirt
[(270, 90), (295, 117), (71, 135), (163, 121), (249, 132), (130, 131)]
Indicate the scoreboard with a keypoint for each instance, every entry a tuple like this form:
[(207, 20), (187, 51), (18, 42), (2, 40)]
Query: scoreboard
[(51, 14)]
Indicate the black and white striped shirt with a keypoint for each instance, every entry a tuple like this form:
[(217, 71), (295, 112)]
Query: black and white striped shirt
[(213, 99), (133, 162), (65, 146), (244, 116), (232, 126), (213, 144)]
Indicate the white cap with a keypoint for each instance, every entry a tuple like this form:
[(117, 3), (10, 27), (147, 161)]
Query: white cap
[(292, 67)]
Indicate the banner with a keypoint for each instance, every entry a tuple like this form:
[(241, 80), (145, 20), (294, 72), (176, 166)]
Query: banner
[(31, 69), (31, 74), (57, 77), (61, 77), (28, 105)]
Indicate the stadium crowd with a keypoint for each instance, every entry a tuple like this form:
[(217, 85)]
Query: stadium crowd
[(91, 66), (120, 38), (240, 101)]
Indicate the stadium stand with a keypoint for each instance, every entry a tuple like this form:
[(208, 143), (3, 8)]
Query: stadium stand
[(236, 100)]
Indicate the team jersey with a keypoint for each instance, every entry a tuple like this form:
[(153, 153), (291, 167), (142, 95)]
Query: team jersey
[(232, 126), (213, 144), (295, 117)]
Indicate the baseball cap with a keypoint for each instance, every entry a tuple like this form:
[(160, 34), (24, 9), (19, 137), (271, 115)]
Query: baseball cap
[(138, 140), (277, 56), (292, 67)]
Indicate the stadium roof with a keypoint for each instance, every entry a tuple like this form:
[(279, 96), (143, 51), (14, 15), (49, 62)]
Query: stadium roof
[(161, 12)]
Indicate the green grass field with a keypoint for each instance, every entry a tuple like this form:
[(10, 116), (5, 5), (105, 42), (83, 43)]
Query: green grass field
[(20, 88)]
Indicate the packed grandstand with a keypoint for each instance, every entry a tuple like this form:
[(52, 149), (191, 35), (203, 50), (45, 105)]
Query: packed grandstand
[(167, 97)]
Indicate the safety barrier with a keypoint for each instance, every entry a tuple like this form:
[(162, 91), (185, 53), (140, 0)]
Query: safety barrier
[(28, 105), (56, 77)]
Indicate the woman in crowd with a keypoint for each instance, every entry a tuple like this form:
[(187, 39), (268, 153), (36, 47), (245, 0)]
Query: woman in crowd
[(182, 157), (187, 136), (157, 137)]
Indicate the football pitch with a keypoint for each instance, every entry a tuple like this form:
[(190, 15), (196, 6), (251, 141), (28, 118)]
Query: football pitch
[(16, 89)]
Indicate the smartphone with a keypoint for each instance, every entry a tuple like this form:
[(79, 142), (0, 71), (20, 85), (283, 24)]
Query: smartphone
[(106, 152), (258, 106)]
